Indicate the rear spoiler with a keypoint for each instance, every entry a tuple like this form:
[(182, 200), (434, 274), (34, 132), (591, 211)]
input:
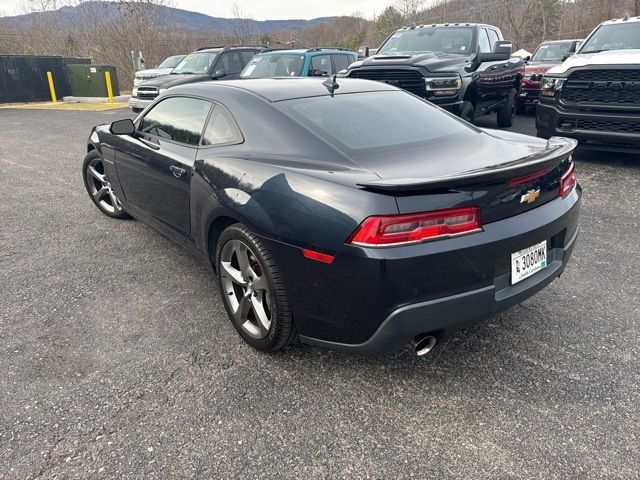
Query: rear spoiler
[(556, 151)]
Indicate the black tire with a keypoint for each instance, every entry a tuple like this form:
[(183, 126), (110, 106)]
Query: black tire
[(507, 111), (521, 108), (467, 112), (136, 110), (108, 203), (281, 331)]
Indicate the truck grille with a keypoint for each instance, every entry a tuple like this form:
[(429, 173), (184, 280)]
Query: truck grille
[(410, 80), (609, 126), (147, 93), (605, 86)]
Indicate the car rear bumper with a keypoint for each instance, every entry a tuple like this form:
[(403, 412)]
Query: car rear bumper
[(443, 316), (138, 103), (589, 127), (378, 300)]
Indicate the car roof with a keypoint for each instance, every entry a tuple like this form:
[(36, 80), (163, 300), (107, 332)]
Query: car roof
[(622, 20), (547, 42), (457, 24), (282, 88), (310, 51)]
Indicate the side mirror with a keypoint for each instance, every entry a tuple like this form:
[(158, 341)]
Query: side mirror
[(363, 52), (122, 127), (218, 74), (501, 51)]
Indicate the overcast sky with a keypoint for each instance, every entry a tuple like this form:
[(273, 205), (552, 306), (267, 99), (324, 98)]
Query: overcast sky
[(263, 9)]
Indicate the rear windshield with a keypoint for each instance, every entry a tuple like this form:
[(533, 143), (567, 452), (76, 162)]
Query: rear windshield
[(373, 120), (456, 40), (274, 65)]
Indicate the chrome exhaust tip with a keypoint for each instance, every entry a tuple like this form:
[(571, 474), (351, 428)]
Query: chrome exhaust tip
[(423, 344)]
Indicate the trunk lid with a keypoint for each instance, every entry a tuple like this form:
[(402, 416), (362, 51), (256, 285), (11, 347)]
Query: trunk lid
[(504, 175)]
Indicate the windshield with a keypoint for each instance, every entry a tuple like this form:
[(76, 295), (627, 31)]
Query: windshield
[(428, 39), (171, 62), (372, 120), (274, 65), (196, 63), (551, 52), (617, 36)]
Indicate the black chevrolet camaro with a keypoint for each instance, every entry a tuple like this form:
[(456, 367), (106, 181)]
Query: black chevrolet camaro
[(350, 214)]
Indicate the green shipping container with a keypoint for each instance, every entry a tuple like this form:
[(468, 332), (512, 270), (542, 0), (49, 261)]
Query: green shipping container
[(89, 80)]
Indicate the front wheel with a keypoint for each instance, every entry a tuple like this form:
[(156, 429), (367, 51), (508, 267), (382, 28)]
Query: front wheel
[(99, 188), (507, 111), (252, 290)]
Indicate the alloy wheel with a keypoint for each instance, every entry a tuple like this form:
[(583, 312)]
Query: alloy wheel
[(100, 187), (245, 284)]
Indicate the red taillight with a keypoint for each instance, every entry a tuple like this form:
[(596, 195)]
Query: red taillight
[(568, 181), (385, 231)]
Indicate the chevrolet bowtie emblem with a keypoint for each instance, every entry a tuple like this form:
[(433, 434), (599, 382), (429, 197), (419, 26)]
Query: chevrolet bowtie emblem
[(530, 196)]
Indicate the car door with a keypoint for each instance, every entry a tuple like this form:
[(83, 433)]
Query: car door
[(155, 164)]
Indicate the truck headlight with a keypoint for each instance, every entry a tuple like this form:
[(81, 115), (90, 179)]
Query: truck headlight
[(134, 92), (443, 86), (550, 86)]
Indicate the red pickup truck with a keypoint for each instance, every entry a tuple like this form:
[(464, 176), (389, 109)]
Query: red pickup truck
[(547, 55)]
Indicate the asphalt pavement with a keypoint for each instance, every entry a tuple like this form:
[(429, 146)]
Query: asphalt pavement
[(117, 359)]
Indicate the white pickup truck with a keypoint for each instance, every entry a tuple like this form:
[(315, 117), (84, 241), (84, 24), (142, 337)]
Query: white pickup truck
[(594, 95)]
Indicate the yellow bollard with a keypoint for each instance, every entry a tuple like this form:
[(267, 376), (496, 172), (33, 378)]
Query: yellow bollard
[(52, 88), (107, 78)]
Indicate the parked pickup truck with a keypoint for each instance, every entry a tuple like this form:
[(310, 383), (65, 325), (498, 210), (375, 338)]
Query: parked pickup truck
[(594, 96), (465, 68)]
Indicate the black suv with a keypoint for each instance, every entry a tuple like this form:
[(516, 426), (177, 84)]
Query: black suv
[(465, 68), (209, 63)]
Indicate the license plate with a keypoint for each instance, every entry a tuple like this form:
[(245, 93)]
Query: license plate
[(528, 261)]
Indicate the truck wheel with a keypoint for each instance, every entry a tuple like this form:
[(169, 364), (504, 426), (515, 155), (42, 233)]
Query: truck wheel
[(467, 112), (506, 112)]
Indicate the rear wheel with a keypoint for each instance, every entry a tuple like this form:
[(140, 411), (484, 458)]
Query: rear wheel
[(467, 111), (252, 290), (507, 111), (99, 187)]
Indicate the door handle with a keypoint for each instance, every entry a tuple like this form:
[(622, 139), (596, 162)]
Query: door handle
[(177, 171)]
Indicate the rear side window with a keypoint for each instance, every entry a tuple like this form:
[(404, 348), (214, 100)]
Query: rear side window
[(321, 66), (371, 120), (221, 129), (179, 119)]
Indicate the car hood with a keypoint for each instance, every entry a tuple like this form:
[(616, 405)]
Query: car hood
[(539, 67), (432, 61), (611, 57), (167, 81), (153, 72)]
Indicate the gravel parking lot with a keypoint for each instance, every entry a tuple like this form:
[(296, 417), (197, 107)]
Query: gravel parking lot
[(117, 359)]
